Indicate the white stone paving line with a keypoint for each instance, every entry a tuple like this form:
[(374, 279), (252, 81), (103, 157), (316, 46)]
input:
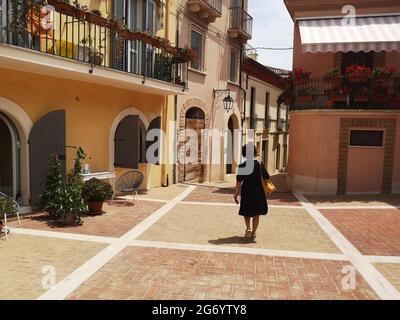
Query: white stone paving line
[(382, 287), (75, 279), (235, 205), (62, 235), (241, 250), (333, 207), (383, 259)]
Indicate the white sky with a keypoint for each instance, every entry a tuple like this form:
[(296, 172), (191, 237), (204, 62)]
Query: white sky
[(272, 27)]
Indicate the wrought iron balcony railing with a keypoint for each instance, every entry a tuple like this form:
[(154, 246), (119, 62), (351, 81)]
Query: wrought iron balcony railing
[(241, 21), (215, 4), (341, 93), (68, 31)]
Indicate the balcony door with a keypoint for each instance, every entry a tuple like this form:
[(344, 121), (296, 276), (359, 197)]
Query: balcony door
[(3, 20)]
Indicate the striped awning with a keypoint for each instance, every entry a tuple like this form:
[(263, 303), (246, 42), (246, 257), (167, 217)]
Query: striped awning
[(337, 35)]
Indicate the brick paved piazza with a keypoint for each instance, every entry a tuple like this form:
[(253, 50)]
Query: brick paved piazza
[(186, 242)]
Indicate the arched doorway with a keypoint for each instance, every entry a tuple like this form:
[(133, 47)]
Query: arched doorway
[(130, 143), (195, 121), (9, 158)]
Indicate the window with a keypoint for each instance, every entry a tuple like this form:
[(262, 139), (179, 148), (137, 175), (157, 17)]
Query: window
[(266, 116), (197, 46), (366, 138), (357, 58), (233, 67)]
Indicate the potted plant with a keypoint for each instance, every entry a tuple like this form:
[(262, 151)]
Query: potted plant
[(96, 57), (7, 206), (95, 192), (63, 197), (333, 76), (299, 76), (186, 54), (307, 94), (358, 74), (383, 74)]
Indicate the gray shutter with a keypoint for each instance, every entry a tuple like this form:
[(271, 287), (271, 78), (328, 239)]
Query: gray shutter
[(149, 8), (127, 143), (119, 47), (47, 137), (155, 124)]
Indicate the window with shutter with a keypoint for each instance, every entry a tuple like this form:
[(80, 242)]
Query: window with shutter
[(197, 46), (149, 26), (233, 67), (119, 45)]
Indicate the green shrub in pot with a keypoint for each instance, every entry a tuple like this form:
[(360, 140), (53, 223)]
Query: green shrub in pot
[(95, 192)]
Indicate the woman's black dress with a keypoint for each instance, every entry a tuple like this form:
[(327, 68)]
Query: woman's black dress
[(253, 201)]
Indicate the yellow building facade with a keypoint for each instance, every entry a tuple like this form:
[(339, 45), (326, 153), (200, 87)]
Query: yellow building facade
[(53, 101)]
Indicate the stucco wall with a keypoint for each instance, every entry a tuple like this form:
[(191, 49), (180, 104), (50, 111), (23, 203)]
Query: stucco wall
[(90, 112), (314, 153)]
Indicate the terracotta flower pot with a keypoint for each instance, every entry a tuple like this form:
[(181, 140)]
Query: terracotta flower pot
[(95, 206), (68, 219), (95, 19)]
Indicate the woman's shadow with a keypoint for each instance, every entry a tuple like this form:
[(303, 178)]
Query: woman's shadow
[(231, 240)]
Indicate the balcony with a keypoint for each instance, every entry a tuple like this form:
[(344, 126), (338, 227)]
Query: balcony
[(241, 24), (208, 10), (67, 41), (340, 93)]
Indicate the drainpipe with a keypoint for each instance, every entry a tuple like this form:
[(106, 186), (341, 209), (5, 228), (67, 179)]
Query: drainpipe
[(242, 53)]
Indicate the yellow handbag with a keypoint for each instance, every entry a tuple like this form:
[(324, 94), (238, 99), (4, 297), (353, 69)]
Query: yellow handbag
[(267, 185)]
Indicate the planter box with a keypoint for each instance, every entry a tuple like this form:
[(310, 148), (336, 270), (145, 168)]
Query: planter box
[(95, 19), (304, 99), (361, 98)]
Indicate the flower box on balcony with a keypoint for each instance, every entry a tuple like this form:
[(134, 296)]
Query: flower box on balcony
[(358, 74), (96, 19)]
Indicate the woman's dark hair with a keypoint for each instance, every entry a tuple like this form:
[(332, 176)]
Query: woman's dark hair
[(248, 147)]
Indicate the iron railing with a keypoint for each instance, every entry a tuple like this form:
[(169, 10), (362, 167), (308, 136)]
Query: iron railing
[(215, 4), (63, 30), (343, 94), (241, 20)]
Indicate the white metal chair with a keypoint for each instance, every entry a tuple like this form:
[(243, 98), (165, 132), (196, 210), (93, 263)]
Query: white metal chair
[(5, 229), (129, 182)]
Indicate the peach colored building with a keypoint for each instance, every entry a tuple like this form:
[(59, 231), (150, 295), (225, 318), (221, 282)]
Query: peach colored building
[(217, 30), (345, 137)]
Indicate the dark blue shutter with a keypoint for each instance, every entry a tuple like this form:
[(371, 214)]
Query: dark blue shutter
[(47, 137), (148, 26), (119, 46)]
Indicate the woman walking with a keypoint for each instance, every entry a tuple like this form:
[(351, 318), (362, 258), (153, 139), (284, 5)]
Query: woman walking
[(253, 202)]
